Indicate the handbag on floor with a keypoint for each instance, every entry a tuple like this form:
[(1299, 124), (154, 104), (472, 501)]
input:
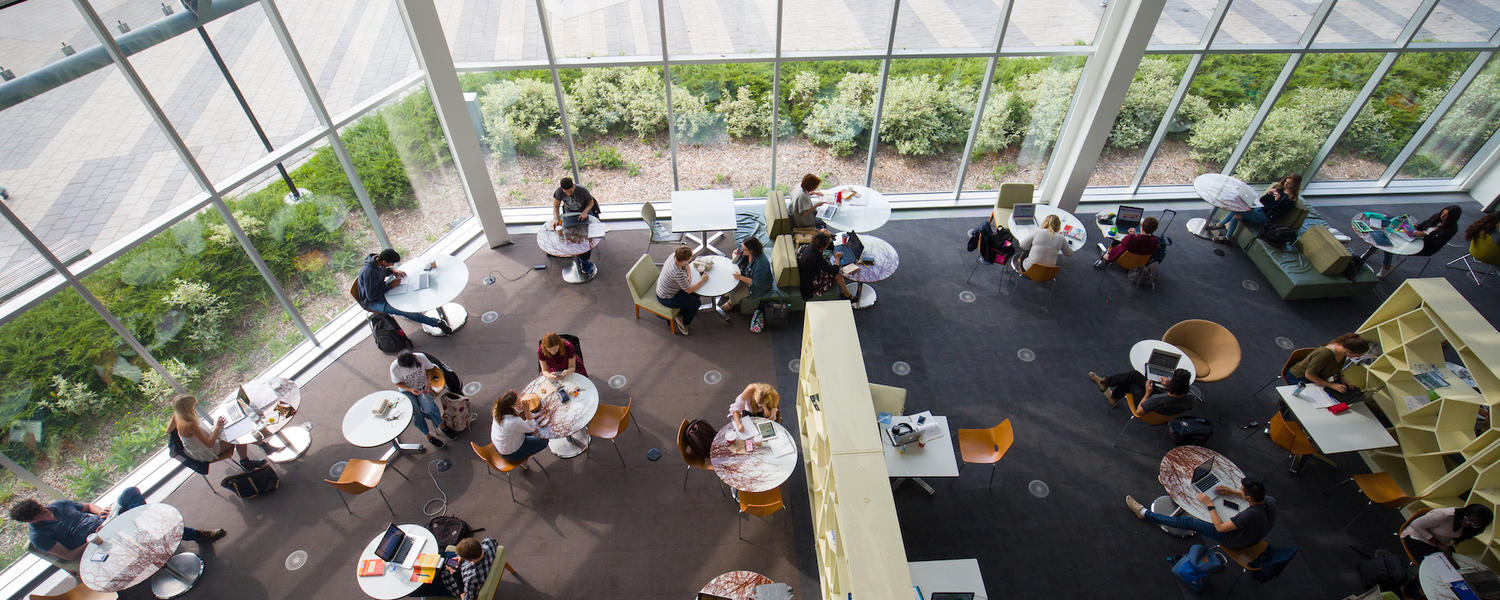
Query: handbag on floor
[(758, 321), (252, 483)]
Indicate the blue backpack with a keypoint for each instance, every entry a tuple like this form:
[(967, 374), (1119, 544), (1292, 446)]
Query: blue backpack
[(1195, 566)]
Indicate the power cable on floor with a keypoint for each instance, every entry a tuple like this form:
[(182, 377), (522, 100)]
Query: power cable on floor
[(439, 464)]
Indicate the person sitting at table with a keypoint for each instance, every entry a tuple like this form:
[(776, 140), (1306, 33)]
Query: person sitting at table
[(1486, 224), (575, 199), (512, 428), (1324, 367), (803, 210), (1442, 528), (1245, 529), (675, 288), (758, 400), (62, 528), (1142, 242), (558, 358), (754, 274), (200, 443), (1278, 199), (463, 581), (815, 273), (409, 373), (1170, 400), (1434, 233), (373, 288), (1043, 245)]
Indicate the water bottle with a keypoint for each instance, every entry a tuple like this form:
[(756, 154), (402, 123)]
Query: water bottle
[(1298, 392)]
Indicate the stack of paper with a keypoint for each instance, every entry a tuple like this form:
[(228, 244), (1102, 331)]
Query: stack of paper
[(425, 569)]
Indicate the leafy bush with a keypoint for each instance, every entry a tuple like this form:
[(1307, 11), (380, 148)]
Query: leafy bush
[(89, 481), (747, 115), (1000, 125), (315, 222), (416, 133), (134, 440), (518, 114), (72, 398), (840, 127), (154, 388), (376, 160), (600, 156), (1047, 95), (1146, 103), (693, 121), (205, 312), (924, 117), (1468, 124), (802, 92), (618, 99), (1214, 138)]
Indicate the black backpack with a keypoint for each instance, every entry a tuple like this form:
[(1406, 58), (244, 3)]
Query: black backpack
[(1190, 431), (252, 483), (449, 530), (388, 335), (700, 437), (1278, 234)]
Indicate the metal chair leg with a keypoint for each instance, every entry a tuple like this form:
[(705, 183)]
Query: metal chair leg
[(1331, 487), (387, 501), (511, 485), (539, 466), (1122, 431), (1357, 515), (991, 484), (684, 478), (403, 475), (346, 502), (973, 271), (210, 485), (1467, 266), (739, 526), (618, 453)]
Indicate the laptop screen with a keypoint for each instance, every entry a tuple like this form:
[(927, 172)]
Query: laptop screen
[(855, 247), (1129, 215), (1164, 359), (386, 549), (1023, 211), (1204, 469)]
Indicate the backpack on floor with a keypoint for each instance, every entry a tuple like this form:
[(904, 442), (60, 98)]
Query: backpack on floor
[(252, 483), (1277, 234), (1195, 566), (388, 335), (1190, 431), (1145, 276), (449, 530)]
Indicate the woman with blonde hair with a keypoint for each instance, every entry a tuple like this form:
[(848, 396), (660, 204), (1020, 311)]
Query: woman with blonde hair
[(200, 443), (758, 400), (1043, 245)]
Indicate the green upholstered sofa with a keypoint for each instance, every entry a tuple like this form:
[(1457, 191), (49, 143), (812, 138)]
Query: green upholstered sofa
[(1312, 268), (787, 277)]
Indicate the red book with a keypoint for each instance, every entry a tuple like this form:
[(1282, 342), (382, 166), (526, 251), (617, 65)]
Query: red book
[(371, 567)]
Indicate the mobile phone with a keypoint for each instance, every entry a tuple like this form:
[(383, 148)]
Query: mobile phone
[(1232, 504)]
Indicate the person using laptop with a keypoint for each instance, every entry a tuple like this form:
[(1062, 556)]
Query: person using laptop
[(1137, 242), (758, 400), (1043, 245), (1245, 529), (814, 271), (409, 373), (575, 200), (1169, 399), (464, 580), (1434, 233), (202, 443), (63, 527), (803, 209), (1279, 199), (1324, 367), (373, 285), (1442, 528)]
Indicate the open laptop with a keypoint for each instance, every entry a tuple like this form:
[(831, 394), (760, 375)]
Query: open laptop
[(1204, 479), (1023, 215), (391, 543), (573, 219), (1483, 582), (853, 249), (1127, 217), (1161, 365)]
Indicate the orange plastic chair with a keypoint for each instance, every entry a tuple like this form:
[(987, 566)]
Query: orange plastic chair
[(1242, 557), (760, 504), (79, 592), (609, 422), (1286, 369), (361, 476), (1289, 436), (692, 462), (1128, 261), (985, 446), (1039, 273), (1379, 488), (1409, 558), (1149, 418), (492, 459)]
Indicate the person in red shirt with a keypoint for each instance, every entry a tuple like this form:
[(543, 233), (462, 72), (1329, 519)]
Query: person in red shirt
[(1142, 242)]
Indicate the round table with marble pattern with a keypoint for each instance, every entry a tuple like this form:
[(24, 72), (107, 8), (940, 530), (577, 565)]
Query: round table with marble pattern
[(736, 585), (758, 470), (565, 423), (1176, 475), (139, 542)]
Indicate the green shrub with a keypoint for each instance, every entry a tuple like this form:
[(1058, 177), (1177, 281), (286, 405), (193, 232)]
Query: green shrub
[(72, 398), (316, 222), (1296, 128), (417, 134), (619, 99), (1000, 125), (840, 127), (518, 114), (923, 117), (1469, 123), (133, 440), (1214, 139), (1047, 95), (747, 115), (376, 160), (154, 388), (600, 156), (1146, 103), (693, 122), (204, 309), (89, 481), (802, 92)]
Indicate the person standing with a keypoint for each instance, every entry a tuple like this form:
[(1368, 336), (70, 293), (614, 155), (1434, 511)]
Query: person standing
[(373, 286), (409, 373), (675, 288), (575, 199)]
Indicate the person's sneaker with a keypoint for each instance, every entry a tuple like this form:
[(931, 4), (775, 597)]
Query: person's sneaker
[(1099, 264), (588, 268), (1109, 396), (448, 431), (1099, 381), (436, 443), (681, 327), (443, 327), (210, 536), (1384, 271), (251, 463), (1135, 507)]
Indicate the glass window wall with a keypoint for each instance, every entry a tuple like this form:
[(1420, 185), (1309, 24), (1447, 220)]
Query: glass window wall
[(1222, 100), (1146, 103), (1316, 97), (353, 48), (1022, 118), (521, 131), (723, 127), (619, 121), (831, 105), (1466, 126), (929, 107), (604, 29), (1415, 84), (502, 30)]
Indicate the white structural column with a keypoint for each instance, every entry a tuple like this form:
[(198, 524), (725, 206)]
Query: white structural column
[(1101, 91), (431, 47)]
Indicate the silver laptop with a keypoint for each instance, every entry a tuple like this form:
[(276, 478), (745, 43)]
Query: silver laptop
[(1023, 215), (1204, 479), (1161, 365)]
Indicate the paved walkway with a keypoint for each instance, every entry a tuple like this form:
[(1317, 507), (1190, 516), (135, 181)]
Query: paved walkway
[(86, 163)]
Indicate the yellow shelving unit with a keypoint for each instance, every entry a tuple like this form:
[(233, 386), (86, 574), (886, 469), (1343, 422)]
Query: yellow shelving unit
[(858, 540), (1441, 455)]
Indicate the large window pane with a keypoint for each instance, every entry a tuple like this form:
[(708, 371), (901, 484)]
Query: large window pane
[(352, 48), (723, 126), (1461, 21), (33, 34), (831, 105), (1464, 128), (1416, 83), (1048, 23), (619, 121), (1366, 21), (1023, 116), (522, 133), (1146, 102), (821, 25), (1228, 89), (1183, 22), (597, 29), (929, 106), (182, 76), (1317, 95), (1250, 23), (492, 31), (926, 24), (708, 27)]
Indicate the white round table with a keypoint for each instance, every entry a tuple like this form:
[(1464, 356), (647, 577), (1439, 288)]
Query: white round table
[(270, 398), (1221, 191), (550, 239), (1141, 352), (1397, 246), (395, 582), (1076, 236), (721, 280), (1434, 585), (566, 423), (883, 262), (866, 212), (363, 428), (759, 470), (140, 542), (445, 282), (1104, 230)]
